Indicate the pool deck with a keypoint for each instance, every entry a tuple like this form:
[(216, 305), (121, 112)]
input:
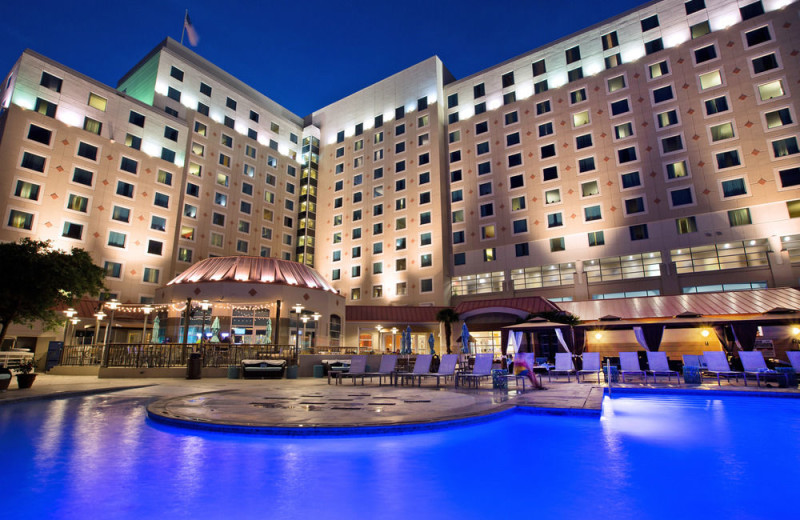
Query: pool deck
[(309, 406)]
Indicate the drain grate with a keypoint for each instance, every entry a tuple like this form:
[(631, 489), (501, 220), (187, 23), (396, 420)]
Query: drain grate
[(381, 404), (345, 408), (417, 401), (268, 405), (313, 402)]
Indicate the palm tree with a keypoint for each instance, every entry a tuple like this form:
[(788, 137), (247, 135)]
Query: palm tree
[(447, 316)]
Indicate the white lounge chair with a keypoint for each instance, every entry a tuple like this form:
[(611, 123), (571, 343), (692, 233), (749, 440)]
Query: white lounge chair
[(629, 365), (591, 365), (387, 368), (422, 365), (794, 359), (717, 365), (564, 365), (480, 370), (659, 365), (447, 369), (754, 365), (358, 366)]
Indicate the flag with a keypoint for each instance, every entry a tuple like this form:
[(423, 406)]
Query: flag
[(190, 32)]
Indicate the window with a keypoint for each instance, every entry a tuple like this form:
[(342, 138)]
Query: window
[(630, 180), (202, 109), (778, 118), (638, 232), (721, 132), (692, 6), (739, 217), (116, 239), (557, 244), (785, 147), (624, 130), (616, 83), (550, 173), (771, 90), (480, 108), (686, 225), (514, 160), (705, 54), (752, 10), (510, 119), (161, 200), (573, 54), (671, 144), (633, 206), (27, 190), (649, 23), (85, 150), (626, 155), (174, 94), (733, 188), (662, 94), (677, 170), (150, 275), (577, 96), (586, 164), (543, 107), (583, 141), (554, 220), (516, 181), (72, 230), (478, 91), (487, 210), (487, 232), (51, 82), (710, 80), (659, 69), (728, 159), (540, 87), (45, 107), (700, 29), (619, 107), (590, 189), (653, 46), (580, 119), (552, 196), (452, 101), (681, 197), (548, 151), (596, 238), (714, 106), (757, 36), (545, 129), (125, 189), (592, 213)]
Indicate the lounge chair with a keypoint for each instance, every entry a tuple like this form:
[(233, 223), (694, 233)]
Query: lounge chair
[(591, 365), (447, 369), (717, 365), (660, 366), (480, 370), (754, 365), (387, 368), (421, 366), (629, 365), (794, 359), (564, 365), (358, 368)]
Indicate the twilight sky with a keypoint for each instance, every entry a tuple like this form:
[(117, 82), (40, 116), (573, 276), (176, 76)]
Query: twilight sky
[(304, 55)]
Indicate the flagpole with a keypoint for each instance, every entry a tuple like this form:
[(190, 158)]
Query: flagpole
[(184, 25)]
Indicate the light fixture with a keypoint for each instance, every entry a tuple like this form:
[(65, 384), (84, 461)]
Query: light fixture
[(598, 335), (705, 333)]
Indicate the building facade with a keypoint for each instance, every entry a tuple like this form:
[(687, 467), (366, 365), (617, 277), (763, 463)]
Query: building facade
[(655, 153)]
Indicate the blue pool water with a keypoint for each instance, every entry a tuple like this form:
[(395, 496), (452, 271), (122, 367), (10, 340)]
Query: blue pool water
[(648, 457)]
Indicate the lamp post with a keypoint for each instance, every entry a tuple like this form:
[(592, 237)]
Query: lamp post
[(380, 330), (113, 304), (305, 321), (69, 313), (316, 317), (394, 337), (297, 308), (74, 322), (98, 318), (146, 310), (205, 305)]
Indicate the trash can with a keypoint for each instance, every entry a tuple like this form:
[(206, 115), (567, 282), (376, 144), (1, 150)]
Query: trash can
[(692, 375), (499, 379), (786, 377), (291, 372), (194, 366), (614, 374), (233, 372), (319, 371)]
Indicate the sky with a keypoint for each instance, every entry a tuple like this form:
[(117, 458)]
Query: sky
[(303, 55)]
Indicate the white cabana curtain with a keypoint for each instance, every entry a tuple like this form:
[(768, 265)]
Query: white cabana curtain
[(639, 333), (514, 342), (560, 336)]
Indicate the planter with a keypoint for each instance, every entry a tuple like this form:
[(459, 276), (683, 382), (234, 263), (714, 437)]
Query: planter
[(692, 375), (233, 372), (25, 380), (614, 374), (5, 378), (291, 372), (499, 379)]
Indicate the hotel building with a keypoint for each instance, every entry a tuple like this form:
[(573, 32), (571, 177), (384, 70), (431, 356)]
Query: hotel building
[(653, 154)]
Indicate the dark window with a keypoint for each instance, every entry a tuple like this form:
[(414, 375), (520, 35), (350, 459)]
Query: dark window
[(573, 54), (704, 54), (619, 107), (484, 168), (39, 134), (752, 10), (539, 68), (575, 74), (692, 6), (540, 86), (379, 121), (51, 82), (176, 73), (128, 165), (765, 63), (516, 181), (136, 118), (550, 173), (548, 151), (171, 111), (81, 176), (33, 162), (728, 159), (734, 188), (583, 141), (480, 108), (610, 40), (452, 101), (671, 144), (653, 46), (508, 79), (400, 112), (481, 127), (203, 109), (170, 133), (649, 23), (205, 89), (626, 155), (662, 94), (452, 118), (514, 160), (681, 197), (543, 107), (757, 36), (359, 128), (230, 103), (615, 60), (154, 247), (716, 105), (174, 94), (790, 177), (87, 151), (340, 137), (511, 139), (631, 180), (479, 91), (521, 249), (638, 232)]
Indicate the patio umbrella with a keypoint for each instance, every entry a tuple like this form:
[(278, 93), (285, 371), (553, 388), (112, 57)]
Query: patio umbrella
[(154, 335), (408, 339), (215, 330), (430, 344), (464, 339), (268, 332)]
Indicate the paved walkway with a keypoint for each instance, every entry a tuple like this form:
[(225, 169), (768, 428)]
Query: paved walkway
[(307, 405)]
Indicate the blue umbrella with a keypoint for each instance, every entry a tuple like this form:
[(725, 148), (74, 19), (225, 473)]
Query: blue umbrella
[(408, 339), (430, 344), (464, 339)]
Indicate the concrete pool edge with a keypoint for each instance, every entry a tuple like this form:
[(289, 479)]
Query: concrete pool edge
[(66, 394), (703, 392)]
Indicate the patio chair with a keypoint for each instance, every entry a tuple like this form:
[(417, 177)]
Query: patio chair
[(564, 365), (447, 368), (591, 365), (794, 359), (754, 365), (629, 365), (717, 365), (358, 368), (480, 370), (421, 366), (387, 368), (659, 365)]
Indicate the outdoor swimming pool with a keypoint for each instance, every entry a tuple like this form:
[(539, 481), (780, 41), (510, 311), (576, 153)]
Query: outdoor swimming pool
[(648, 457)]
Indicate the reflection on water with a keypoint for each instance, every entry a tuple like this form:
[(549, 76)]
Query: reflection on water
[(647, 457)]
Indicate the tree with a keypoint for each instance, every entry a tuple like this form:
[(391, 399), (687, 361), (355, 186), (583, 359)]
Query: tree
[(37, 279), (447, 316)]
